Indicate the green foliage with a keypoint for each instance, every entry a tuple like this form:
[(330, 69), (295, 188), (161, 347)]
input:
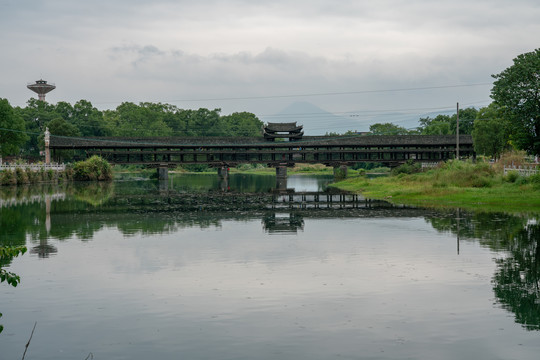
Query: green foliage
[(92, 169), (410, 167), (7, 177), (245, 167), (517, 90), (447, 124), (12, 129), (142, 120), (388, 129), (367, 166), (242, 124), (127, 120), (511, 177), (464, 174), (7, 253), (491, 131), (515, 282), (196, 167), (61, 127), (20, 176)]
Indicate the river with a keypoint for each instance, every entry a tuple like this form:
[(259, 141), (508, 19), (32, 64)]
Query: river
[(197, 268)]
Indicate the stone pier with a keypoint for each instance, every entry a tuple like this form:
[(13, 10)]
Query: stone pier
[(281, 177), (223, 173), (163, 172)]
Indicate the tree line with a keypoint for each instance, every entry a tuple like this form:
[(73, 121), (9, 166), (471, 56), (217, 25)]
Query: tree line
[(21, 128), (511, 121)]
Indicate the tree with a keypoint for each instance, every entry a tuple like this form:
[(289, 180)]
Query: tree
[(242, 124), (447, 124), (140, 121), (517, 279), (388, 129), (7, 253), (490, 134), (61, 127), (36, 115), (517, 90), (88, 119), (12, 130)]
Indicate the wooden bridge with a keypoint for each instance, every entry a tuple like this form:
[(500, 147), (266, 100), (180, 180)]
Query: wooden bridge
[(218, 151), (270, 149)]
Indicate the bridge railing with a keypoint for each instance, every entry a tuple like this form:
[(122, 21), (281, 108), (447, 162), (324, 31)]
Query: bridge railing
[(33, 167)]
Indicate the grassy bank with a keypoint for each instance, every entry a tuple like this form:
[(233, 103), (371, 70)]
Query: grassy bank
[(92, 169), (454, 184)]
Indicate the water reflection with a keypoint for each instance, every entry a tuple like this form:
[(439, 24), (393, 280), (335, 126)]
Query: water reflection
[(516, 282), (165, 207), (283, 223)]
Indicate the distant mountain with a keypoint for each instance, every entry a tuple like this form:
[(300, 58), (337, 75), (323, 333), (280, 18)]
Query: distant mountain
[(317, 121)]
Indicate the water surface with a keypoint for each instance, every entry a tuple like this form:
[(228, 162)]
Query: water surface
[(197, 269)]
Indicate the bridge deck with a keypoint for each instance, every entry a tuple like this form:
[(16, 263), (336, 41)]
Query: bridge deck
[(229, 151)]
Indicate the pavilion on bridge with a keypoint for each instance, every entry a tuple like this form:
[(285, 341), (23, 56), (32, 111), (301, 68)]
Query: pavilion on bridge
[(291, 131)]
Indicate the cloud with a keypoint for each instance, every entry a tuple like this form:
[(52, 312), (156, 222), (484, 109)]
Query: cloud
[(142, 50)]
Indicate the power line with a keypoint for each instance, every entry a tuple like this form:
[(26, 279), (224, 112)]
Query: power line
[(319, 94)]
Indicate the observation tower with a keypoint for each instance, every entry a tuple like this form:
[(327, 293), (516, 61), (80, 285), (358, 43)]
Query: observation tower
[(41, 88)]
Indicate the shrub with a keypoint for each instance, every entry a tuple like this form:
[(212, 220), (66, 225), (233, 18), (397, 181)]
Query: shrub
[(20, 176), (481, 181), (68, 173), (244, 167), (7, 177), (511, 177), (41, 175), (31, 176), (522, 180), (196, 167), (410, 167), (534, 180), (95, 168)]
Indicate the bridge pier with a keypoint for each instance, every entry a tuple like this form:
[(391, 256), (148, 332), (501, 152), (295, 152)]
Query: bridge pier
[(163, 172), (223, 173), (340, 172), (281, 177)]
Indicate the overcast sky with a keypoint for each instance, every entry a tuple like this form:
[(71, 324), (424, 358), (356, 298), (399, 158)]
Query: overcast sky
[(348, 57)]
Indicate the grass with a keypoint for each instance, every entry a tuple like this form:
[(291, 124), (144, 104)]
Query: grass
[(454, 184)]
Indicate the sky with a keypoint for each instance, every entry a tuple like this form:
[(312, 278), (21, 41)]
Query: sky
[(389, 59)]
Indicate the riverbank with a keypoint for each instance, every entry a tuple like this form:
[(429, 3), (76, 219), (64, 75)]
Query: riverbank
[(92, 169), (453, 184), (298, 169)]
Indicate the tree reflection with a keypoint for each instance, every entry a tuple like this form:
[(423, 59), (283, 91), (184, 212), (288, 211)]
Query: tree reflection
[(517, 279), (145, 208)]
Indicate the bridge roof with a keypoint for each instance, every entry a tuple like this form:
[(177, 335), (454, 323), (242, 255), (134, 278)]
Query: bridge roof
[(282, 127), (60, 142)]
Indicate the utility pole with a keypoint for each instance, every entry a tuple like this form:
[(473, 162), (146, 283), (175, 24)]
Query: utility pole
[(457, 131)]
